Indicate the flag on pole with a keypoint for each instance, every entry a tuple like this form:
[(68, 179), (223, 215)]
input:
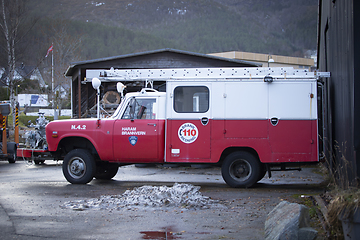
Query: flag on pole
[(49, 50)]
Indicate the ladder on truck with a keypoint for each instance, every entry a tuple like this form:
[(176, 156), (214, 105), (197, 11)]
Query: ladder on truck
[(150, 75)]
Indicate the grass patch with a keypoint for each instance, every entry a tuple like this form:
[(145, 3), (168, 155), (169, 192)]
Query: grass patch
[(343, 205), (314, 209)]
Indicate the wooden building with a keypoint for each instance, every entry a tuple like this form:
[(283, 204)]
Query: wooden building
[(83, 95), (339, 54)]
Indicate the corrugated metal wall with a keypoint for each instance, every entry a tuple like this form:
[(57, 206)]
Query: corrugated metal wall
[(338, 54)]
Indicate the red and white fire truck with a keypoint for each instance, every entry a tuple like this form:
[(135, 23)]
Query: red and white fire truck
[(246, 120)]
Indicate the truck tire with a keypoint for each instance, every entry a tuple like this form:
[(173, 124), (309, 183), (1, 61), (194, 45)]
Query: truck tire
[(12, 150), (38, 162), (111, 97), (262, 173), (240, 169), (79, 166), (106, 171)]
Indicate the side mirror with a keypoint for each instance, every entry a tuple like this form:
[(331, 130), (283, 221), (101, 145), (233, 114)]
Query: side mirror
[(120, 88), (96, 85)]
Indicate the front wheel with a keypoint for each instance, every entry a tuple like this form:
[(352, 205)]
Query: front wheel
[(240, 169), (79, 166)]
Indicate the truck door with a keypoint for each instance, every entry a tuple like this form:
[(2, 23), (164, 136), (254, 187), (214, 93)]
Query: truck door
[(188, 123), (136, 135), (293, 121)]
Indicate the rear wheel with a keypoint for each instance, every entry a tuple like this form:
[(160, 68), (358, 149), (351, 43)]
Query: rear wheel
[(241, 169), (11, 149), (79, 166), (106, 171)]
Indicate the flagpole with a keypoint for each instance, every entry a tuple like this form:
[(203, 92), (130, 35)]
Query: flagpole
[(52, 83), (52, 76)]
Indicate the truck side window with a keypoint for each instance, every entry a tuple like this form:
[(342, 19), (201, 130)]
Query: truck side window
[(191, 99), (142, 109)]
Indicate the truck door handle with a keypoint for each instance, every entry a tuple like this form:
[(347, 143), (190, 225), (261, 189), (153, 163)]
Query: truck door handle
[(204, 120), (152, 124), (274, 121)]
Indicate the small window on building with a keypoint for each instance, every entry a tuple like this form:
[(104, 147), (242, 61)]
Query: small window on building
[(191, 99)]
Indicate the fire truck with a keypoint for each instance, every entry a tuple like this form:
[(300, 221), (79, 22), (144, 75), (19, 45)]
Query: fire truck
[(249, 121)]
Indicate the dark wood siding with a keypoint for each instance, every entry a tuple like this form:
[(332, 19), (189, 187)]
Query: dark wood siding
[(338, 53)]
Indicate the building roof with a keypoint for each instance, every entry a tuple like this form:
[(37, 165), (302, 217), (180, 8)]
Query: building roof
[(94, 62), (22, 72), (263, 59)]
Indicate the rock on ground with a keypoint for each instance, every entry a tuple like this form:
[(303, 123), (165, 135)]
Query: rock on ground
[(289, 221)]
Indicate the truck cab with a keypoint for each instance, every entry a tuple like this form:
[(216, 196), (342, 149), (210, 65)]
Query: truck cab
[(139, 128)]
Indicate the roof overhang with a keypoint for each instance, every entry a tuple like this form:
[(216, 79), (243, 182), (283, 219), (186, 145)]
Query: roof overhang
[(70, 71)]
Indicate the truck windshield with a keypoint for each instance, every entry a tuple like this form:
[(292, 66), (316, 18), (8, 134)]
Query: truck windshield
[(140, 109)]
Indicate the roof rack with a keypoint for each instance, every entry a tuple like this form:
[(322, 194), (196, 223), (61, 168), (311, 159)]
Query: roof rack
[(150, 75)]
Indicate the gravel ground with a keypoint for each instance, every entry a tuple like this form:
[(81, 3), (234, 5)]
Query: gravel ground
[(36, 202)]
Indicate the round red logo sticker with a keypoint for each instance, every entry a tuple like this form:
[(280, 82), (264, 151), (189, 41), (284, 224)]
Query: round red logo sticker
[(188, 133)]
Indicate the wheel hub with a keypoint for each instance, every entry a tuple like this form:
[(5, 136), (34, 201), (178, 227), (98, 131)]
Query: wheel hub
[(77, 168), (240, 170)]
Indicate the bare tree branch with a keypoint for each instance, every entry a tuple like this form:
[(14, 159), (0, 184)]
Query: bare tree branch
[(12, 15)]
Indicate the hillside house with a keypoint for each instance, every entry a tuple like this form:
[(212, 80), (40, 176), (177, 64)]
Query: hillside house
[(23, 72)]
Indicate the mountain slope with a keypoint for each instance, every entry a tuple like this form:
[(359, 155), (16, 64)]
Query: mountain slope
[(274, 27)]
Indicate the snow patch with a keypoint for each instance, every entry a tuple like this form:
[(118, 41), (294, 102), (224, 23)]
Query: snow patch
[(129, 5), (97, 4), (181, 12), (177, 11), (180, 195)]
